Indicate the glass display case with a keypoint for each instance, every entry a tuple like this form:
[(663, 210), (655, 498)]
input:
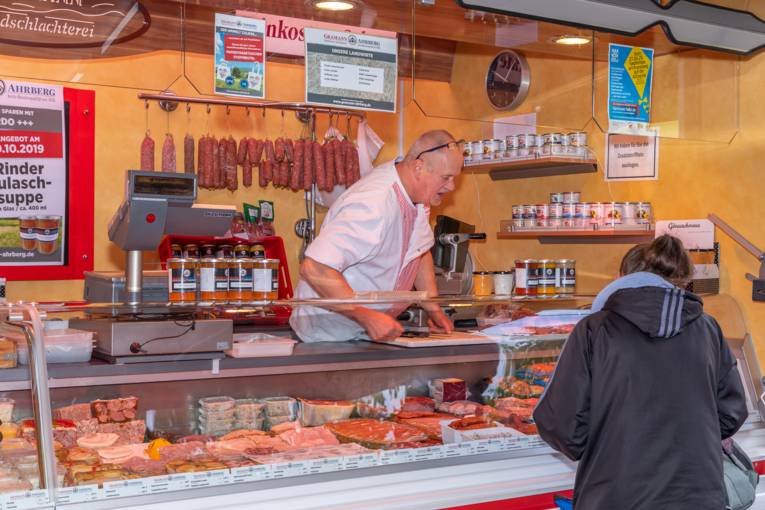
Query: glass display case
[(151, 428)]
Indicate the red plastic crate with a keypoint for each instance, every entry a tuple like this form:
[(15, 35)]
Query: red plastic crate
[(274, 247)]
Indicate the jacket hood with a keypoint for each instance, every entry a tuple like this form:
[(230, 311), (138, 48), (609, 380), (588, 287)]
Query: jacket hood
[(658, 312)]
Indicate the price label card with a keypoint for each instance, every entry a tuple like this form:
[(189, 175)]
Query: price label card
[(125, 488), (396, 456), (459, 449), (362, 461), (197, 480), (326, 465), (219, 477), (243, 474), (290, 469), (27, 500), (77, 494), (429, 453)]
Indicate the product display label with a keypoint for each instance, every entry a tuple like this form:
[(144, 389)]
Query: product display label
[(362, 461), (396, 456), (630, 75), (166, 483), (182, 280), (207, 279), (326, 465), (289, 469), (27, 500), (79, 494), (459, 449), (124, 488), (240, 56), (221, 278), (351, 70), (429, 453), (262, 280), (33, 179)]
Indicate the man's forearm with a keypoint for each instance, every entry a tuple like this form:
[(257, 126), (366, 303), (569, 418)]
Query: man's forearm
[(330, 283)]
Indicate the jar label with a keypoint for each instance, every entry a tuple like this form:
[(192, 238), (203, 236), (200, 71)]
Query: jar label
[(221, 278), (47, 235), (520, 278), (207, 279), (242, 279), (182, 280), (28, 233)]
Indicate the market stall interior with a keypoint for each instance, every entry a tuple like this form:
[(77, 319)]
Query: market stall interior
[(166, 369)]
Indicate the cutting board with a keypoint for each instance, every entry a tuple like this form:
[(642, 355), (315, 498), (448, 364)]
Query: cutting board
[(442, 339)]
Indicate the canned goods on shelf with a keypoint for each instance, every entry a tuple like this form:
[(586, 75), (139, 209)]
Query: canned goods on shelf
[(565, 140), (225, 251), (556, 198), (240, 280), (613, 213), (529, 212), (542, 211), (213, 279), (630, 213), (581, 210), (545, 150), (182, 280), (511, 142), (554, 222), (529, 222), (500, 148), (643, 213), (518, 223), (531, 140), (517, 212), (578, 139), (556, 210), (596, 212), (571, 196), (558, 150), (489, 148), (522, 141), (567, 210), (476, 150)]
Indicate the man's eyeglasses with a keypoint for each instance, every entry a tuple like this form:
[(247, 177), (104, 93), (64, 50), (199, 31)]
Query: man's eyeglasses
[(451, 145)]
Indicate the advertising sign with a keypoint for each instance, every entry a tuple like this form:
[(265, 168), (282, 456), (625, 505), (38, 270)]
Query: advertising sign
[(350, 70), (240, 56), (630, 74), (33, 174)]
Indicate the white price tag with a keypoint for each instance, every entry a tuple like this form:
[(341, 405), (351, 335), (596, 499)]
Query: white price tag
[(290, 469), (77, 494), (459, 449), (197, 480), (429, 453), (396, 456), (165, 483), (219, 477), (326, 465), (362, 461), (514, 443), (26, 500), (243, 474), (125, 488)]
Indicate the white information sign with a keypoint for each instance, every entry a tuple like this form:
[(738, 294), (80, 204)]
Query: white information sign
[(695, 234), (351, 70), (631, 157)]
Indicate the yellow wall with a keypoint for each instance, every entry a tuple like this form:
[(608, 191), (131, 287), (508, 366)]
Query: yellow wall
[(700, 97)]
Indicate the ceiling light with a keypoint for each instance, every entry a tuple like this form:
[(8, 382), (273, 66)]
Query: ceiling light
[(337, 5), (572, 40)]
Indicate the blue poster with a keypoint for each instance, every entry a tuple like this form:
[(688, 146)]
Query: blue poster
[(630, 72)]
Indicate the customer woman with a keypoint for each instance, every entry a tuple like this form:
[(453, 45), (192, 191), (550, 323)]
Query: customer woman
[(644, 391)]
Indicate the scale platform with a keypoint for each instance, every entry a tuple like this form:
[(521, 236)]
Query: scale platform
[(442, 339)]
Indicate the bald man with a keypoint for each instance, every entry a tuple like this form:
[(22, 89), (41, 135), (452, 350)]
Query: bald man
[(377, 237)]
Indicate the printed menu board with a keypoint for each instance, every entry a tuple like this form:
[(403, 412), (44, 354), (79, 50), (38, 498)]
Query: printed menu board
[(350, 70), (33, 174), (630, 75)]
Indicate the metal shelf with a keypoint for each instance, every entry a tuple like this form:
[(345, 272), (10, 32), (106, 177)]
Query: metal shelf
[(582, 236), (543, 166)]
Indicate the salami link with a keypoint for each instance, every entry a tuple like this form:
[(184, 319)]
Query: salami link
[(339, 151), (309, 164), (168, 154), (147, 153), (247, 174), (296, 177), (251, 146), (356, 164), (297, 162), (318, 166), (241, 154), (188, 154), (262, 181), (348, 150), (218, 178), (279, 149), (269, 150), (289, 150), (201, 155), (329, 168), (259, 146), (215, 163), (267, 167), (232, 180), (284, 173)]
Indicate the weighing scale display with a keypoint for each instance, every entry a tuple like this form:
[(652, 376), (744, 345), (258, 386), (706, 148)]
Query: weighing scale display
[(163, 186)]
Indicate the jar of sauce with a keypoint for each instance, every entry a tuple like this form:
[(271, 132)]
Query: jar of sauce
[(191, 251), (242, 251), (28, 232), (503, 283), (240, 280), (265, 279), (546, 278), (257, 251), (483, 284), (225, 251), (565, 281), (182, 280), (47, 228), (176, 251), (207, 251), (213, 279), (526, 277)]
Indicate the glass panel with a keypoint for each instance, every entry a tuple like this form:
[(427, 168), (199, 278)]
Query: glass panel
[(306, 408), (21, 473), (122, 43)]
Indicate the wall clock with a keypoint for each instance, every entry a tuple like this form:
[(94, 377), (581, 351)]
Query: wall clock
[(507, 80)]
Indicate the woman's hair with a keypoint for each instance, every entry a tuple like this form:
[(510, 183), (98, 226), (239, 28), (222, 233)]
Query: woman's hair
[(633, 261), (666, 257)]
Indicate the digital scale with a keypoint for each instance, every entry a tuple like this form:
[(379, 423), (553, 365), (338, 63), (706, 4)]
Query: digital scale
[(156, 204)]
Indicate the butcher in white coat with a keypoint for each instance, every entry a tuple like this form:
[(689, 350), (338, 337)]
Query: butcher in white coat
[(377, 237)]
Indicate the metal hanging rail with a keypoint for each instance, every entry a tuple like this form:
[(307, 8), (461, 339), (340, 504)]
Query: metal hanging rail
[(276, 105)]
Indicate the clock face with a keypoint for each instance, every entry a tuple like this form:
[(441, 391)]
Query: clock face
[(507, 81)]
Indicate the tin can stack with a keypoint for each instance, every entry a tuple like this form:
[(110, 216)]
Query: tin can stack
[(526, 146), (545, 278), (567, 211)]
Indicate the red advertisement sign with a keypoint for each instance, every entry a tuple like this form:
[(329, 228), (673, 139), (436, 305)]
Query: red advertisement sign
[(30, 144)]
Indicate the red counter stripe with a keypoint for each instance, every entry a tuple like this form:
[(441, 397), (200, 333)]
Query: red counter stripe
[(535, 502)]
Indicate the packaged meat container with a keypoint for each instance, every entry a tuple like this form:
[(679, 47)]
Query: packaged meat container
[(260, 345), (281, 406), (450, 435), (318, 412), (217, 404), (61, 346)]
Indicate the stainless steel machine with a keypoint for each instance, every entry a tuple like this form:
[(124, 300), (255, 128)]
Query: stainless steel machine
[(155, 205), (451, 258)]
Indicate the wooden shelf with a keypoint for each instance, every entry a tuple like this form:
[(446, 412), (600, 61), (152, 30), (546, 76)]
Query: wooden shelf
[(582, 236), (544, 166)]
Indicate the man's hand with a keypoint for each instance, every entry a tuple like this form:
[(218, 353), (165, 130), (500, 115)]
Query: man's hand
[(379, 326), (439, 322)]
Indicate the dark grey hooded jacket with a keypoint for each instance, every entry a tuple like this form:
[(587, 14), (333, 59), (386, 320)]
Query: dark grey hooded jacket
[(643, 392)]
